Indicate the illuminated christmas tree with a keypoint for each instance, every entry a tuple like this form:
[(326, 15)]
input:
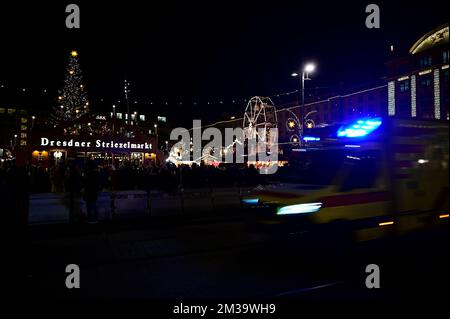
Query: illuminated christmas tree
[(72, 99)]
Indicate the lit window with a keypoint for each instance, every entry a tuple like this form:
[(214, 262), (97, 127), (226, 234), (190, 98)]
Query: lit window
[(23, 120), (425, 61), (142, 117), (445, 57), (23, 127), (23, 143), (404, 86), (23, 135), (119, 116), (11, 111), (425, 82), (2, 110)]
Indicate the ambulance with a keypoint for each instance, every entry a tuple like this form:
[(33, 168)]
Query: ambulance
[(366, 178)]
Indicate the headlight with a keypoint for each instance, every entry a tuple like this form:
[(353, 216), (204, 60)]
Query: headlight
[(251, 201), (299, 209)]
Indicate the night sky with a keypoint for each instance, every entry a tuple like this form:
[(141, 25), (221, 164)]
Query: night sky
[(189, 51)]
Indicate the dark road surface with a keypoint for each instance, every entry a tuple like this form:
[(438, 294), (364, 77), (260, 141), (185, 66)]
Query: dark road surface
[(218, 259)]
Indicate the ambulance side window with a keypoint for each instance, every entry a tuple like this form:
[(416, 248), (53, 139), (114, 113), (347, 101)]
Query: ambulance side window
[(363, 171)]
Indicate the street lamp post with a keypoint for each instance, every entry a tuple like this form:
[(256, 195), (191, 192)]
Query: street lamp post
[(156, 133), (304, 75), (126, 91), (113, 127)]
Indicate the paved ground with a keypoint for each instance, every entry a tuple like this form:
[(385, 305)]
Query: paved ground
[(216, 259)]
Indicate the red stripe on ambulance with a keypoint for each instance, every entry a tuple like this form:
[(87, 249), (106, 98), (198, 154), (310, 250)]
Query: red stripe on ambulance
[(355, 199)]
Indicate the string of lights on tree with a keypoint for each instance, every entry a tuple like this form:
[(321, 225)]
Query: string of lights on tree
[(72, 101)]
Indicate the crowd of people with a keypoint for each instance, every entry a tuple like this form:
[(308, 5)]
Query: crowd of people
[(126, 175), (87, 179)]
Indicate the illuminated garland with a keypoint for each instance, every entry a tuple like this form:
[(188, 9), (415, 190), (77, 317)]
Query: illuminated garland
[(72, 99)]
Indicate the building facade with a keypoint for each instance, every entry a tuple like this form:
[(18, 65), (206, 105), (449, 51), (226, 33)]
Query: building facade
[(416, 87), (15, 125), (104, 138), (418, 82), (365, 103)]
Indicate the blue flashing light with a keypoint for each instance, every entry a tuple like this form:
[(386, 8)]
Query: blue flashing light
[(359, 128), (311, 139), (251, 201)]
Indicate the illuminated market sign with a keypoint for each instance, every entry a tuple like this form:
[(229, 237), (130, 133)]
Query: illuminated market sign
[(95, 144)]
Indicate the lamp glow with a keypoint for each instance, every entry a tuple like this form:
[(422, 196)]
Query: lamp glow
[(57, 154), (386, 223), (310, 67)]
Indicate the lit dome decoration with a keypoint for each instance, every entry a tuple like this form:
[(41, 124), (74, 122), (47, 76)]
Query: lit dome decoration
[(436, 37)]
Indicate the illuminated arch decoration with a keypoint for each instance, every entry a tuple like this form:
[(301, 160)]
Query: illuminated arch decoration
[(295, 139), (291, 124), (433, 38), (309, 123)]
